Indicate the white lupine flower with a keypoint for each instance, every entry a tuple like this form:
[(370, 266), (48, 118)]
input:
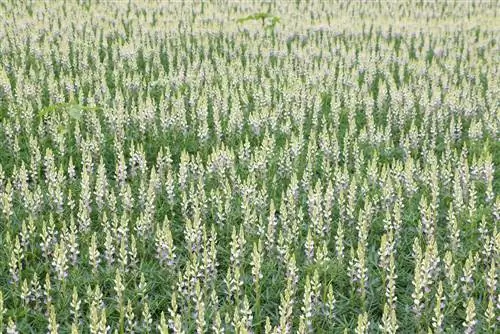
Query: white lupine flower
[(309, 247), (11, 327), (94, 255), (437, 319), (470, 317), (60, 261), (53, 325), (292, 129), (130, 322)]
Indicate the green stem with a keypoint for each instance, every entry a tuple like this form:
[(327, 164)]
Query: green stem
[(257, 303), (121, 325)]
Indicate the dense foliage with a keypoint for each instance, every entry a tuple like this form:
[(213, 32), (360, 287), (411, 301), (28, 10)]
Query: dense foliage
[(300, 166)]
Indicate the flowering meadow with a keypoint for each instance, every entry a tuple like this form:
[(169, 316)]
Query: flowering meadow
[(246, 167)]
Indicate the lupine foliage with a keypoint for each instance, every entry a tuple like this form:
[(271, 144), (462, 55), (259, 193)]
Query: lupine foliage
[(299, 166)]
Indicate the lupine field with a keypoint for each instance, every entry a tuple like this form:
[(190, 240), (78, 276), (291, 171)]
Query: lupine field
[(246, 167)]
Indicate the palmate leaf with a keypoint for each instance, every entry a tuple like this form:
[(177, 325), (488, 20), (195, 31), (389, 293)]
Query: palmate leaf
[(256, 16), (260, 16), (51, 109), (74, 110)]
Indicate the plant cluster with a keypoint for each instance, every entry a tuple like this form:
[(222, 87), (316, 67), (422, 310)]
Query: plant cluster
[(226, 167)]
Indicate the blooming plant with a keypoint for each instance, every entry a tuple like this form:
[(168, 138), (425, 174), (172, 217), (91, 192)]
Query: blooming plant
[(245, 167)]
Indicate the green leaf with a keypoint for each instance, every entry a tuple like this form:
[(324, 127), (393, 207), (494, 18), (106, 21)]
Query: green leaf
[(62, 130), (75, 112), (260, 16), (50, 109)]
